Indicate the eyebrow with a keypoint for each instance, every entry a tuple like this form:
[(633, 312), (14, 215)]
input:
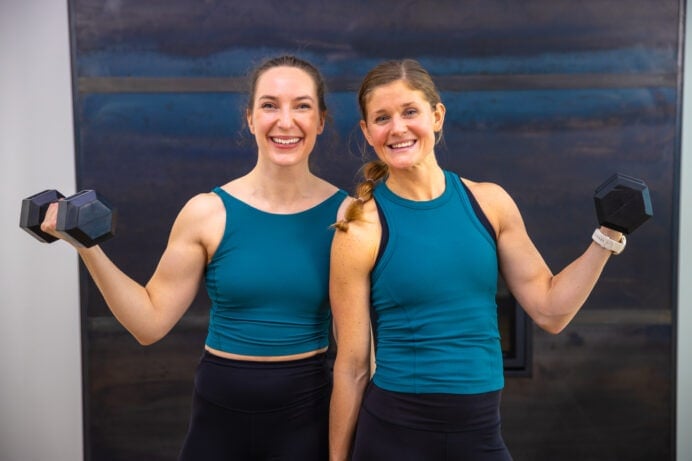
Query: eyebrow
[(298, 98), (404, 105)]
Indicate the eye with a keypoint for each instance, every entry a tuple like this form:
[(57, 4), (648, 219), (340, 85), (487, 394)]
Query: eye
[(267, 105), (410, 112), (381, 118), (304, 106)]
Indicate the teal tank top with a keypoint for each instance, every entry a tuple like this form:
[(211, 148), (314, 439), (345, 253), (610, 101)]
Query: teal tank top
[(268, 280), (433, 295)]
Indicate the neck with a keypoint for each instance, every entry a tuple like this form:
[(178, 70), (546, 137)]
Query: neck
[(417, 184), (281, 188)]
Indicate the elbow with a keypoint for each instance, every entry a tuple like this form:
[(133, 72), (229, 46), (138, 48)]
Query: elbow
[(550, 318), (553, 329), (146, 338), (356, 371), (149, 333), (552, 325)]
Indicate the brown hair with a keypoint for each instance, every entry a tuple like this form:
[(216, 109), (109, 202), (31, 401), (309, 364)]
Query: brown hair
[(289, 61), (418, 79)]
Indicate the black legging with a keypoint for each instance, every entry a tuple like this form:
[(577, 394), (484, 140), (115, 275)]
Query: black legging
[(429, 427), (259, 411)]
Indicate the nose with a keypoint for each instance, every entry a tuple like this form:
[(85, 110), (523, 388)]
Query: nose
[(285, 118), (398, 125)]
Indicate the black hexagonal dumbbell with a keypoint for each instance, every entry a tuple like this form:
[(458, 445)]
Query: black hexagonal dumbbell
[(34, 210), (85, 218), (623, 203)]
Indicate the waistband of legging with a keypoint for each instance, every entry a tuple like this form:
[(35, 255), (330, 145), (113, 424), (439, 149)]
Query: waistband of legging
[(437, 412)]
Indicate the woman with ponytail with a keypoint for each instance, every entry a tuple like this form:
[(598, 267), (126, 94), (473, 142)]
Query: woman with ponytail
[(260, 244), (414, 268)]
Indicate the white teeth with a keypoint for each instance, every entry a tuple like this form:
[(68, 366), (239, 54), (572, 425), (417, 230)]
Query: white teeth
[(286, 141), (402, 144)]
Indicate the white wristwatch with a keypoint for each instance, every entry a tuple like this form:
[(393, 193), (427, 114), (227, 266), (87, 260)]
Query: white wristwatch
[(609, 244)]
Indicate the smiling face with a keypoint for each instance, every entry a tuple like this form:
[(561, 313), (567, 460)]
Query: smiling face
[(285, 116), (401, 124)]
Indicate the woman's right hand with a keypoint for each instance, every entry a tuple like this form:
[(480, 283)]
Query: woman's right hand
[(50, 222)]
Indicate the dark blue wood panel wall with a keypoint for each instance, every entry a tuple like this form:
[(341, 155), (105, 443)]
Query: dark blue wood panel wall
[(547, 98)]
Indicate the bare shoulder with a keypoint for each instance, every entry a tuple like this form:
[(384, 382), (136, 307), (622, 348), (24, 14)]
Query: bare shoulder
[(201, 206), (360, 242), (494, 200), (370, 220), (341, 212), (486, 190), (202, 220)]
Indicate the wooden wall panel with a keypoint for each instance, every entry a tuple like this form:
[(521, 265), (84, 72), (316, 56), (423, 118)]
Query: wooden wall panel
[(546, 98)]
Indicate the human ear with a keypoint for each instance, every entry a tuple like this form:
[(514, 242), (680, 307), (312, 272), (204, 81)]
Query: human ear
[(439, 116), (248, 117), (364, 129), (320, 128)]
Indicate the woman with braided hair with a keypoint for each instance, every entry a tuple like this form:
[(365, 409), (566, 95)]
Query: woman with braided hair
[(416, 259)]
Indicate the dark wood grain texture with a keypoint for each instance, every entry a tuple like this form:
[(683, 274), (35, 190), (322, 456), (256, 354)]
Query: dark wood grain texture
[(546, 98)]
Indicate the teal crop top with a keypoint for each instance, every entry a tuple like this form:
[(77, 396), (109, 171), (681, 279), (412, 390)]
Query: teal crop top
[(433, 296), (268, 280)]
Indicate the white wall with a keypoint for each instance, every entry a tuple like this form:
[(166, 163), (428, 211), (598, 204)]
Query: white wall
[(40, 365), (684, 366)]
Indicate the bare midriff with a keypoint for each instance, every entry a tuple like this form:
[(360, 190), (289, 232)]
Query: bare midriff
[(264, 358)]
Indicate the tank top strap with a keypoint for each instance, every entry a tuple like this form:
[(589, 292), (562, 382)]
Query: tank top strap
[(468, 197)]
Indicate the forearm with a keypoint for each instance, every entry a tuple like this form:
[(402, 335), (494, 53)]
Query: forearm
[(570, 288), (128, 300), (347, 396)]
